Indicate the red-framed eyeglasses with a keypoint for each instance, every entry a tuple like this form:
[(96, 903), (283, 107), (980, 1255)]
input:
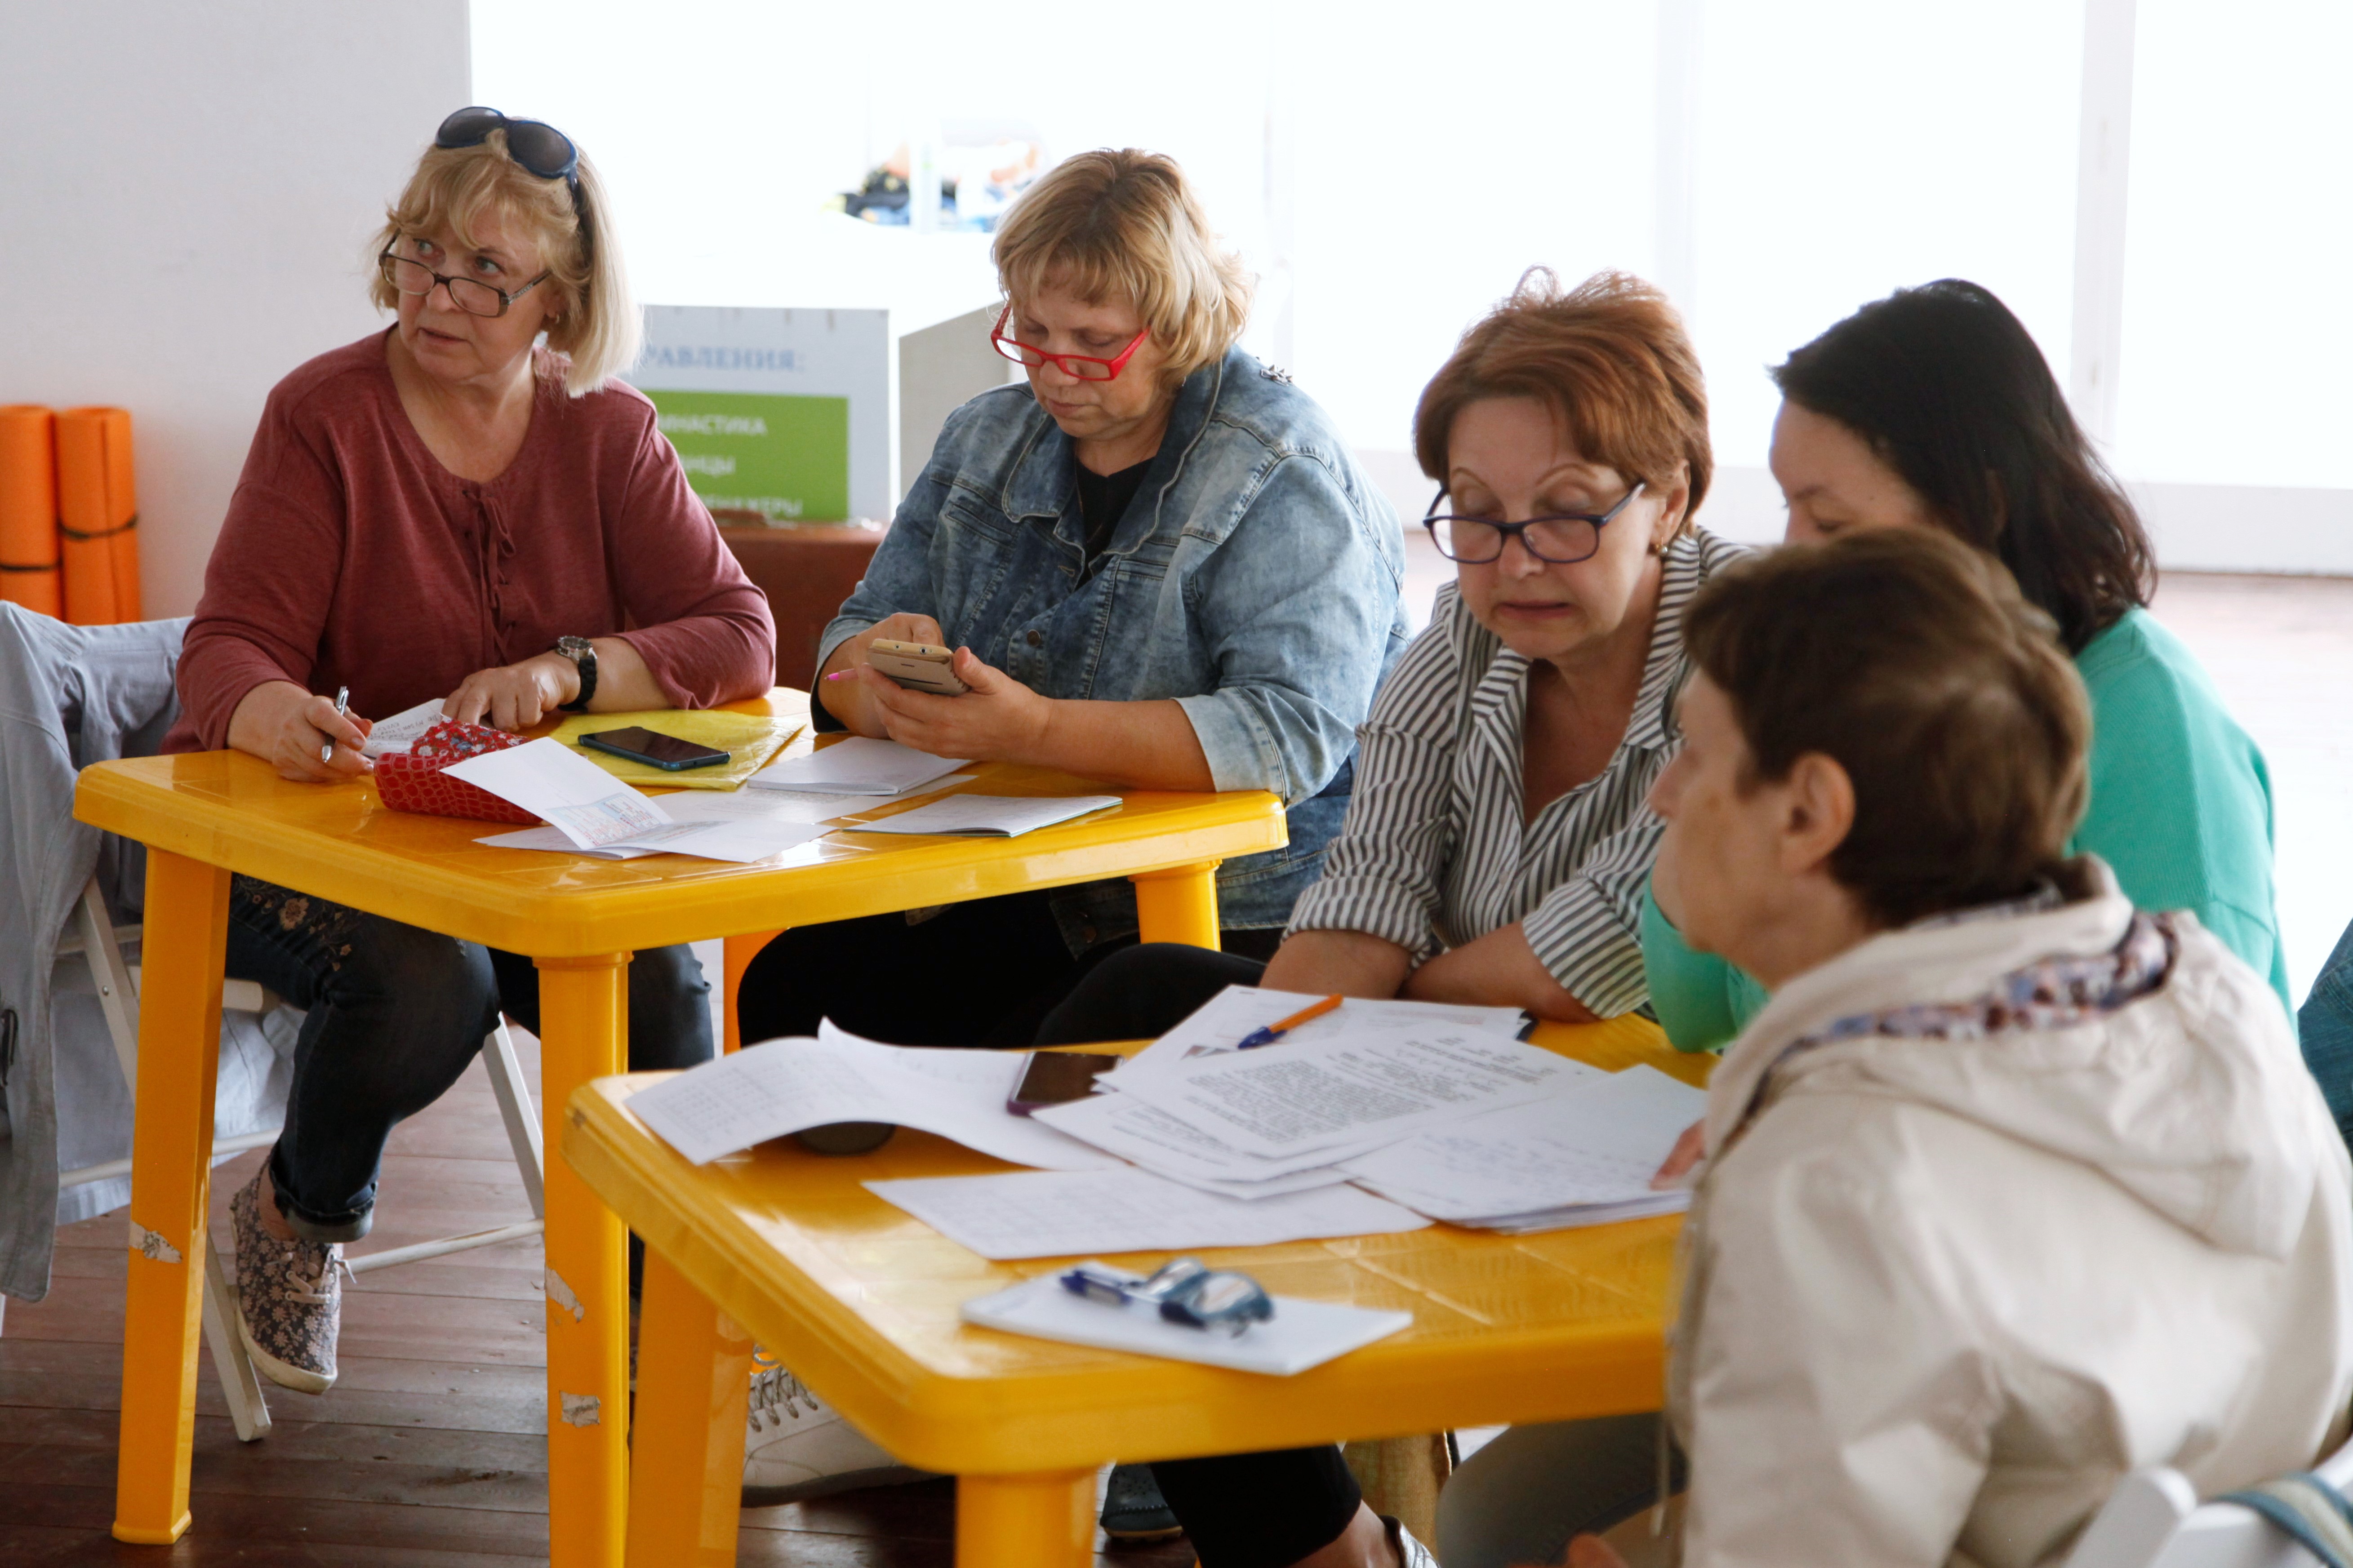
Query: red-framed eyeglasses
[(1078, 367)]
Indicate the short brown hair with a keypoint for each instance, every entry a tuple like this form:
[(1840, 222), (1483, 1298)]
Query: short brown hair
[(1608, 356), (1125, 225), (599, 329), (1912, 661)]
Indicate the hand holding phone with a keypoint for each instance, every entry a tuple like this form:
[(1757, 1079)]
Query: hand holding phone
[(920, 666)]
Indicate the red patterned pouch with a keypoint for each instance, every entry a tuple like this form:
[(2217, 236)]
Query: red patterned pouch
[(413, 780)]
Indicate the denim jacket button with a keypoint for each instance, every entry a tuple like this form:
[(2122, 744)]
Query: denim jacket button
[(1035, 640)]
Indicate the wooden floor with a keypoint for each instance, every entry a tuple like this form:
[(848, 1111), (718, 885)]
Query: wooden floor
[(430, 1451)]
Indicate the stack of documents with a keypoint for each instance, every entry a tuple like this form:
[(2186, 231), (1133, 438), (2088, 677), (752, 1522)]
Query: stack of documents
[(857, 766), (1285, 1118), (1584, 1156)]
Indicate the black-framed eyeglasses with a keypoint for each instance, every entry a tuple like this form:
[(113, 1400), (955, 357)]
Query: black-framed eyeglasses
[(470, 295), (1563, 539)]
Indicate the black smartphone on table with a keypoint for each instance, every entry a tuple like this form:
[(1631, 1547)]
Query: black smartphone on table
[(640, 745), (1057, 1078)]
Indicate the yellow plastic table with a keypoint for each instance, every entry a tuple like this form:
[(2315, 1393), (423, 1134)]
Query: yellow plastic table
[(207, 815), (859, 1299)]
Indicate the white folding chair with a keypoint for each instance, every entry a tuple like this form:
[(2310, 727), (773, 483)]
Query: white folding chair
[(101, 943), (2154, 1520)]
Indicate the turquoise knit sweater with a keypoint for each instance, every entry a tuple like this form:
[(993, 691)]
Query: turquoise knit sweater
[(2181, 808)]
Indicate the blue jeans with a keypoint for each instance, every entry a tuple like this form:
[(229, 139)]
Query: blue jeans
[(2325, 1025), (396, 1016)]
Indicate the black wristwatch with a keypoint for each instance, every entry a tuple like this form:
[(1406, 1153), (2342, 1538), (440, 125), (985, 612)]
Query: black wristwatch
[(583, 655)]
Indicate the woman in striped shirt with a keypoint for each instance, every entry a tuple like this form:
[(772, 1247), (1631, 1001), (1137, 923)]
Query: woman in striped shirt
[(1498, 843)]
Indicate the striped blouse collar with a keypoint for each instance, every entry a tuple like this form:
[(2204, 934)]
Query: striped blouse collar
[(1651, 726)]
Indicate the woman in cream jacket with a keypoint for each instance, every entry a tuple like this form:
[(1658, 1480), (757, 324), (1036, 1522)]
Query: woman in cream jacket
[(2012, 1188)]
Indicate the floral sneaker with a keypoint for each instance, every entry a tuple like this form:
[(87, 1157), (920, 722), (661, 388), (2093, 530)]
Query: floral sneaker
[(290, 1298)]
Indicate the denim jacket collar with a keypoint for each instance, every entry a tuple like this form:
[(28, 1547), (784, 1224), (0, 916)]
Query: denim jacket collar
[(1042, 486)]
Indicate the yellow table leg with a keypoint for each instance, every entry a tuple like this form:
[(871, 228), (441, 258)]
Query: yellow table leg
[(1179, 905), (739, 951), (584, 1021), (686, 1462), (171, 1189), (1026, 1521)]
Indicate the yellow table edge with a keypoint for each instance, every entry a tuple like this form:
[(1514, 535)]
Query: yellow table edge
[(128, 797), (1024, 1424)]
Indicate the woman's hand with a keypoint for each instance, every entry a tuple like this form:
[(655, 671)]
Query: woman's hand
[(1689, 1151), (997, 720), (842, 688), (514, 697), (288, 727)]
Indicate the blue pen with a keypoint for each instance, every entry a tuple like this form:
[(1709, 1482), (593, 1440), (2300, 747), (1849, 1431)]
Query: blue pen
[(1276, 1030)]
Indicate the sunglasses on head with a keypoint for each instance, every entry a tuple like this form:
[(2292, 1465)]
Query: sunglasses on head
[(539, 147)]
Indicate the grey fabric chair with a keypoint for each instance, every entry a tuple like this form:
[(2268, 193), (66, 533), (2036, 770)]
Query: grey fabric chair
[(69, 1054)]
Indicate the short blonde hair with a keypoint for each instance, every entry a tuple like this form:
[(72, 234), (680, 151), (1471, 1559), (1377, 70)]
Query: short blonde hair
[(1126, 226), (598, 327)]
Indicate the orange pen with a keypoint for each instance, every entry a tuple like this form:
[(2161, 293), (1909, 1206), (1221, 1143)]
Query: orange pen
[(1275, 1031)]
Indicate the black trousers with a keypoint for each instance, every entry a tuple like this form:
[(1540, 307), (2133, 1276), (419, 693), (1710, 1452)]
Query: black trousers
[(988, 972), (1242, 1510), (396, 1015)]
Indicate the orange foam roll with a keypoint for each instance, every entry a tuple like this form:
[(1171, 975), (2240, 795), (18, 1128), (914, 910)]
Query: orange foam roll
[(98, 514), (28, 509)]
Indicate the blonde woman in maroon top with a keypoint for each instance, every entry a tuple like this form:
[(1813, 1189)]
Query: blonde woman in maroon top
[(451, 509)]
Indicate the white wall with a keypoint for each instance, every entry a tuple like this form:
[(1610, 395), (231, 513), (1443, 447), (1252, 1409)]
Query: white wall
[(185, 194)]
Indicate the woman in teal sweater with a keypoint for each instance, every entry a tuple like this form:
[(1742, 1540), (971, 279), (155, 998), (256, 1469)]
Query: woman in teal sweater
[(1933, 408)]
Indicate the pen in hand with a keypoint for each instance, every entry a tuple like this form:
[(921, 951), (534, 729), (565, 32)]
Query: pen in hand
[(343, 706), (1282, 1027)]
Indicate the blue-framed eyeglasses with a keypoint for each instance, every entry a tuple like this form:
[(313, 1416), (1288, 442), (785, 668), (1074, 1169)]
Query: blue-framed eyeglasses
[(1563, 539)]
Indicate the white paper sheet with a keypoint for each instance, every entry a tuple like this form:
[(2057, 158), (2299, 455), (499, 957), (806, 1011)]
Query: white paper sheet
[(1221, 1023), (742, 841), (403, 730), (1301, 1334), (778, 805), (784, 1085), (1597, 1143), (988, 816), (856, 766), (1373, 1084), (1054, 1213), (1145, 1135), (549, 778)]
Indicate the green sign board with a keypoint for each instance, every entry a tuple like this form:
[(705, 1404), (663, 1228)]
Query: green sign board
[(784, 457)]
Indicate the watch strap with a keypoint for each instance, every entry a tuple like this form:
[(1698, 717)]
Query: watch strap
[(583, 655)]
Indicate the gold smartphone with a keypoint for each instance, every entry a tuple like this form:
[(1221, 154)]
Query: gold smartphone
[(919, 665)]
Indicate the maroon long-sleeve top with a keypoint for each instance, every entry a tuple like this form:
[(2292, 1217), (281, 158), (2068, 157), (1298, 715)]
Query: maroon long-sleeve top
[(350, 557)]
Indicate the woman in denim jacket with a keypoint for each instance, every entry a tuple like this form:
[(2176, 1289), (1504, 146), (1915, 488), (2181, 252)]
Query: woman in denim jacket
[(1159, 567)]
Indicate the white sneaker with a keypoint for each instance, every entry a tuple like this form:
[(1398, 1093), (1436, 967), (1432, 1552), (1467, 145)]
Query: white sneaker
[(797, 1448)]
